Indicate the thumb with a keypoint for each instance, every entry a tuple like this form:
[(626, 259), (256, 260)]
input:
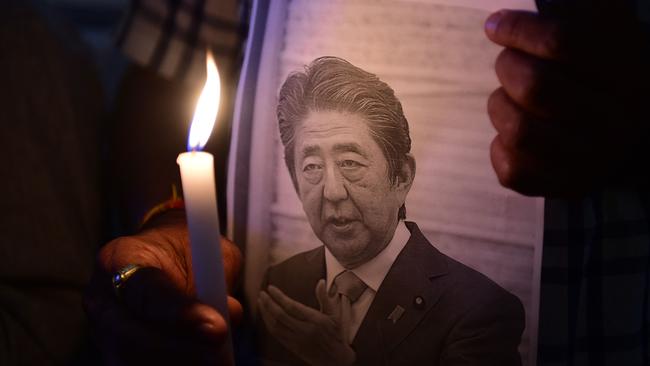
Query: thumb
[(327, 303)]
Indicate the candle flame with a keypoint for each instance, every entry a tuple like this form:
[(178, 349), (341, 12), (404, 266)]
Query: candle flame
[(207, 107)]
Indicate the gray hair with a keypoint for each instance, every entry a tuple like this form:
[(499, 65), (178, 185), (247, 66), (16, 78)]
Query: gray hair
[(331, 83)]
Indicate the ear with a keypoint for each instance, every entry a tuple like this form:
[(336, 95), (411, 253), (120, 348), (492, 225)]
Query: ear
[(407, 174)]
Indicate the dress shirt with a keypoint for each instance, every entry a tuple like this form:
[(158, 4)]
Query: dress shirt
[(372, 273)]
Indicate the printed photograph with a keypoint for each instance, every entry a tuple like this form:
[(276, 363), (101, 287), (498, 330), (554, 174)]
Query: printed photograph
[(376, 281), (375, 230)]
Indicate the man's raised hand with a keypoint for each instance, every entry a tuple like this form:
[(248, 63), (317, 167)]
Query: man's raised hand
[(312, 335)]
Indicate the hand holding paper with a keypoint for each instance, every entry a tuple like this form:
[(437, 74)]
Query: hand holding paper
[(569, 113)]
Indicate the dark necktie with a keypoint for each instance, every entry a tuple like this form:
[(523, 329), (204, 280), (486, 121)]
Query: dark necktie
[(349, 288)]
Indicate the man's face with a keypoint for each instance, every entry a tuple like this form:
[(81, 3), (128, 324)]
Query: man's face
[(344, 187)]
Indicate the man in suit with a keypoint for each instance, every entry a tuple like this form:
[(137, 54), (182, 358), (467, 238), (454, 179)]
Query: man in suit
[(377, 292)]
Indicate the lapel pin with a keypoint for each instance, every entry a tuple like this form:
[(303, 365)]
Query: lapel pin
[(418, 302), (396, 314)]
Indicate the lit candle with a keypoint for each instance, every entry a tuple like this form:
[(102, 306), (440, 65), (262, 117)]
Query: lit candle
[(199, 193)]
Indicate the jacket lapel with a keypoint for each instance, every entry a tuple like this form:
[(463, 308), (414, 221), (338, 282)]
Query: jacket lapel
[(310, 277), (404, 297)]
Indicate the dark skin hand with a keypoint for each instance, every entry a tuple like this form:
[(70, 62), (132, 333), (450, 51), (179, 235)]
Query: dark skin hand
[(157, 319), (570, 112)]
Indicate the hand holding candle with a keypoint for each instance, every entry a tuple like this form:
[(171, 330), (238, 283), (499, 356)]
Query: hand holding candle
[(156, 319), (197, 174)]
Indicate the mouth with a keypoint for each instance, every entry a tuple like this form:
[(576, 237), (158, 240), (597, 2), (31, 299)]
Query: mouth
[(341, 225)]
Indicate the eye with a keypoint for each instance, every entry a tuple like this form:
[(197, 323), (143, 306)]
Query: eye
[(312, 167), (312, 171), (352, 170), (350, 164)]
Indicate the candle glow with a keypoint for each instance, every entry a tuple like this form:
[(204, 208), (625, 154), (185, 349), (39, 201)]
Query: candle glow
[(207, 108)]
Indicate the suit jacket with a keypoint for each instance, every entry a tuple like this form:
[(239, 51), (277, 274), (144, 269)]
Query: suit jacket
[(453, 315)]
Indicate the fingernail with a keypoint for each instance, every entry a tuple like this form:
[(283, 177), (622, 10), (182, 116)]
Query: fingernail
[(212, 332), (492, 22), (208, 328)]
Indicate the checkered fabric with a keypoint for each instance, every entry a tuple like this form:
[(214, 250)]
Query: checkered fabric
[(594, 303), (172, 35)]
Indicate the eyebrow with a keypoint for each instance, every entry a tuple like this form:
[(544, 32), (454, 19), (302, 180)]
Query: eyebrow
[(310, 150), (350, 147)]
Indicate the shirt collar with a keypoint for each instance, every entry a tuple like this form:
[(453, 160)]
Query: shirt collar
[(373, 272)]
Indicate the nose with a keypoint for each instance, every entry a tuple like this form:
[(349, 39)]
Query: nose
[(334, 189)]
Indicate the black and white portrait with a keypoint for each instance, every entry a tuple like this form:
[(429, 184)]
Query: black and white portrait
[(375, 282), (375, 229)]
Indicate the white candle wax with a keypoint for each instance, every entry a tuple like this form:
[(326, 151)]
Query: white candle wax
[(199, 193), (197, 174)]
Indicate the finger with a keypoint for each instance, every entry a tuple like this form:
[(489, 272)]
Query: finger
[(235, 310), (284, 333), (321, 296), (308, 318), (137, 344), (277, 328), (528, 32), (516, 170), (553, 175), (519, 130), (270, 322), (507, 118), (150, 296), (127, 250), (278, 314), (539, 87), (128, 341), (292, 307), (152, 248), (327, 303), (296, 335), (524, 79)]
